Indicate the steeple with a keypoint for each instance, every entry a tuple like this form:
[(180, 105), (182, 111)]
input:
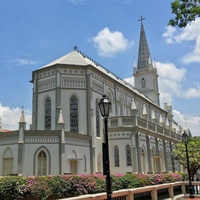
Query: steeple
[(145, 75), (144, 57)]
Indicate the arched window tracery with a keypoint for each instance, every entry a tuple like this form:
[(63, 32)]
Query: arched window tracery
[(47, 113), (116, 156), (97, 120), (128, 156), (74, 114), (42, 163)]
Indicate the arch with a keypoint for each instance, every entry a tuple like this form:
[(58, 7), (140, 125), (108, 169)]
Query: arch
[(155, 160), (129, 107), (144, 160), (73, 155), (116, 156), (74, 111), (8, 153), (162, 161), (97, 118), (73, 163), (99, 162), (110, 96), (128, 156), (140, 110), (169, 161), (8, 159), (121, 105), (143, 83), (47, 113), (42, 161), (85, 163)]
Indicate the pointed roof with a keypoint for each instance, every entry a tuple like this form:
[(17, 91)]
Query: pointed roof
[(73, 58), (22, 117), (77, 58), (60, 118), (144, 57), (133, 105)]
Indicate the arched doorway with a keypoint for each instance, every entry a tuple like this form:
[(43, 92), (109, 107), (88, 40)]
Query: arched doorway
[(73, 163), (99, 163), (7, 162)]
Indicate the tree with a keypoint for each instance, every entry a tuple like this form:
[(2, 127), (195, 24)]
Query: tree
[(193, 154), (185, 11)]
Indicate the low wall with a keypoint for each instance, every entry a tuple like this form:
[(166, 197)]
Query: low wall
[(155, 192)]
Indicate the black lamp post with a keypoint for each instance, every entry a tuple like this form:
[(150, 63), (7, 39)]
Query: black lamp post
[(104, 106), (185, 140)]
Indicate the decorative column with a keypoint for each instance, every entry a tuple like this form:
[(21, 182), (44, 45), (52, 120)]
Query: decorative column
[(134, 153), (165, 154), (61, 126), (148, 138), (138, 146), (22, 128)]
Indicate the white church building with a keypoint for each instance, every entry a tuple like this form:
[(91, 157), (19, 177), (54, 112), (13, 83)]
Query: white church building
[(67, 129)]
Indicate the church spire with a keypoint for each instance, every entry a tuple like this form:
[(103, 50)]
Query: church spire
[(145, 75), (144, 57)]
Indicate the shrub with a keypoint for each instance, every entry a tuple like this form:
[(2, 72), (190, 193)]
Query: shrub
[(13, 187), (55, 187)]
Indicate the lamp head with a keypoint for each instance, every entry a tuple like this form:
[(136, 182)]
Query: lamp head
[(104, 106), (185, 137)]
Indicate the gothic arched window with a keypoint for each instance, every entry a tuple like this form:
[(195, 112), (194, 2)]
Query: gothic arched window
[(128, 156), (85, 163), (111, 101), (121, 107), (74, 114), (116, 156), (143, 83), (97, 120), (42, 163), (48, 114)]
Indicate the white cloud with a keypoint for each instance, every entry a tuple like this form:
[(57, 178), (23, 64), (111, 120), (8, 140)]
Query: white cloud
[(130, 80), (188, 121), (77, 2), (169, 34), (190, 33), (195, 55), (109, 43), (10, 117), (171, 80), (23, 62)]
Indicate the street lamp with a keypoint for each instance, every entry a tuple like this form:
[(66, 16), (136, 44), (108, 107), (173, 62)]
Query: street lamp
[(104, 106), (185, 140)]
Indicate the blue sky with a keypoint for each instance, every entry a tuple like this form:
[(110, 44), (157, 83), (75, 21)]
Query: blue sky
[(34, 33)]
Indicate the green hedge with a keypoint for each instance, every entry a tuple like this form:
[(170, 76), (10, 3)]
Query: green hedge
[(55, 187)]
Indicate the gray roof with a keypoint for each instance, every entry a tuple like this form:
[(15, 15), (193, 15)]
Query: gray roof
[(80, 59), (144, 57), (73, 58)]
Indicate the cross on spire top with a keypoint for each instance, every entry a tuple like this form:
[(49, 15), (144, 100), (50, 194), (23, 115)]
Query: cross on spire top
[(141, 20)]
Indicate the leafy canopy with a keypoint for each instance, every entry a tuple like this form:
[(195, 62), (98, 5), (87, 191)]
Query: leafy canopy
[(185, 11), (193, 153)]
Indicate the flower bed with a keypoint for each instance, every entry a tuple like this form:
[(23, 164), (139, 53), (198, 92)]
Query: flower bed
[(63, 186)]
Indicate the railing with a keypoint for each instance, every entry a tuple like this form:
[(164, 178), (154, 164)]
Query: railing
[(155, 192), (138, 122)]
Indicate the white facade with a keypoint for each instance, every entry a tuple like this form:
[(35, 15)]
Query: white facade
[(67, 128)]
